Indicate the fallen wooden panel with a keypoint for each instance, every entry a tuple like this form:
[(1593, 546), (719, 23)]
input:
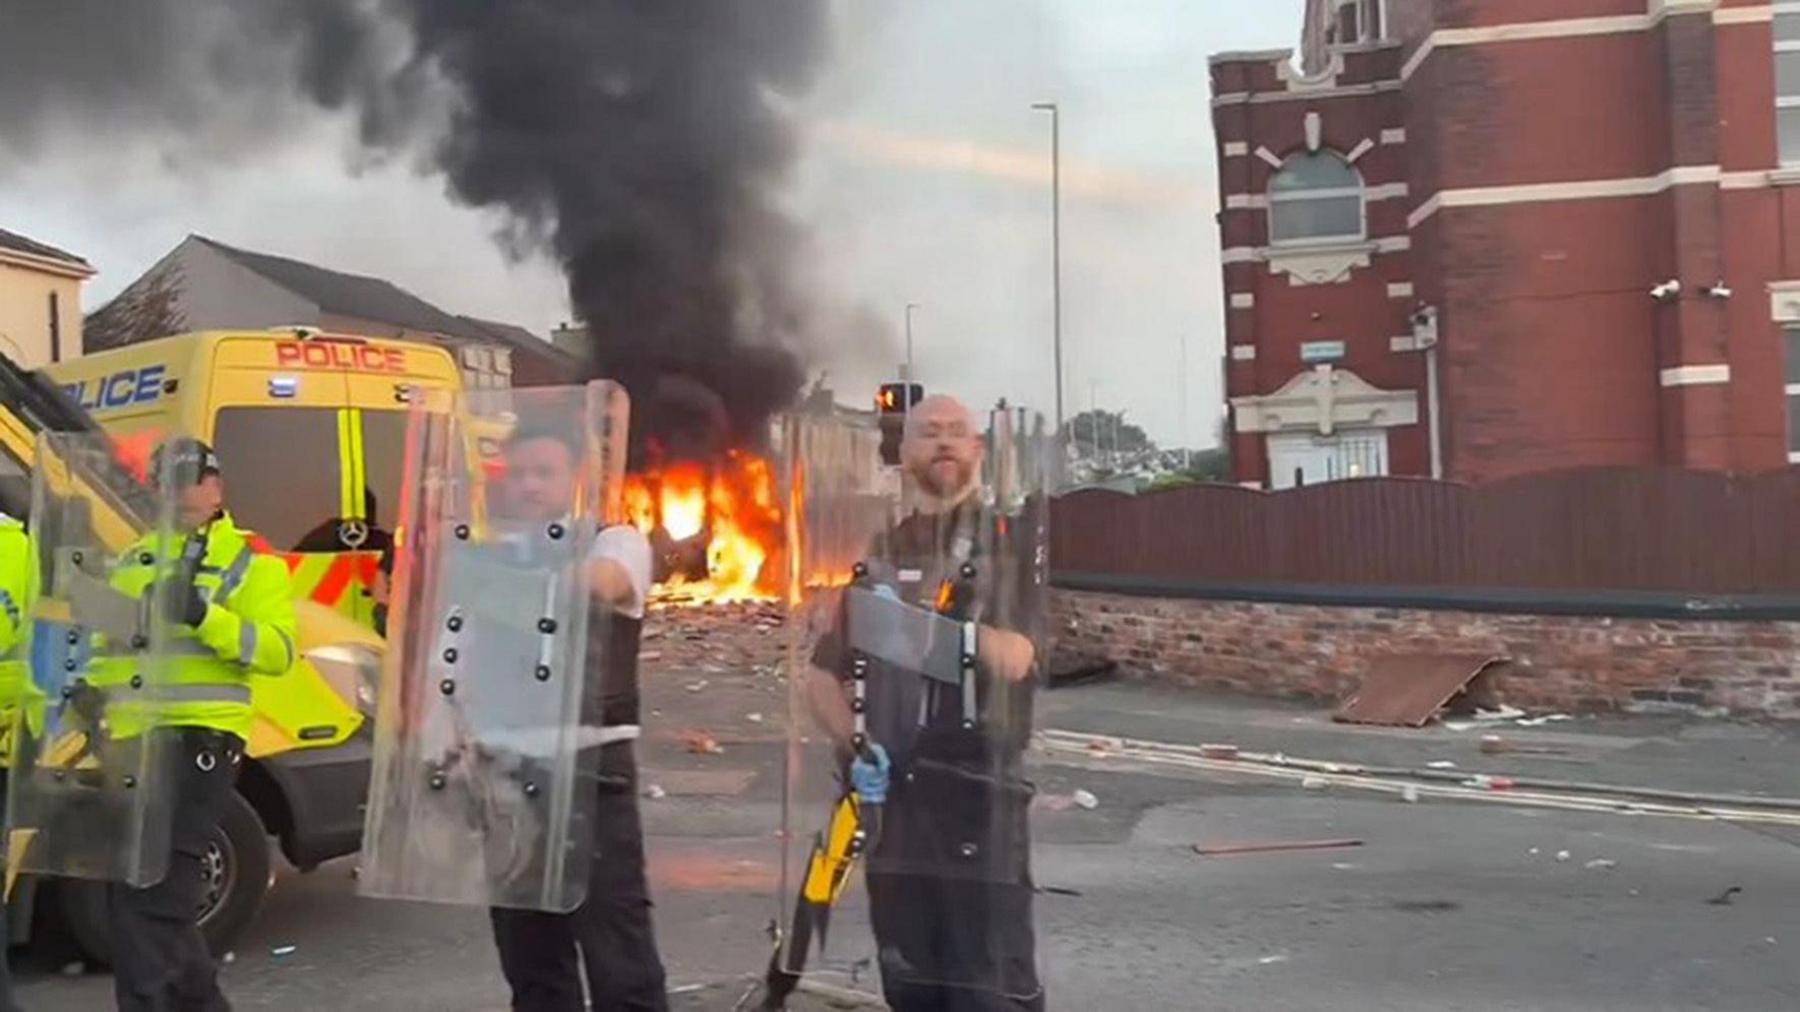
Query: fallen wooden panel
[(1406, 690), (1272, 847)]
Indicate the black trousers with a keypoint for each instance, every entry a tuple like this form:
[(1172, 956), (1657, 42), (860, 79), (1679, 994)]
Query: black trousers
[(543, 954), (160, 959), (955, 933), (7, 1004)]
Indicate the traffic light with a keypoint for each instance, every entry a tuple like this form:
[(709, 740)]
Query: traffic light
[(898, 398), (892, 402)]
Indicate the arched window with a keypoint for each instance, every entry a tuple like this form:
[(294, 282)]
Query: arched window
[(1316, 197)]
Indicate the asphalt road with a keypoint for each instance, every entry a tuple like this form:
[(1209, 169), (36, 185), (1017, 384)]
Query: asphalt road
[(1446, 905)]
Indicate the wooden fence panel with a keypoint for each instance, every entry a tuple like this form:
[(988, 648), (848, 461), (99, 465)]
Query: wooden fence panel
[(1605, 529)]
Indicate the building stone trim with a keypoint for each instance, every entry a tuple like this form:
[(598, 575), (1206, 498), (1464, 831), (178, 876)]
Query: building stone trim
[(1324, 399)]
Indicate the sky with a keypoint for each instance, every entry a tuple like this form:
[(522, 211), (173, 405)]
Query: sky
[(925, 179)]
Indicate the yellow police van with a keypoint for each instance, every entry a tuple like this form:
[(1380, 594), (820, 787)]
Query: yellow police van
[(310, 429)]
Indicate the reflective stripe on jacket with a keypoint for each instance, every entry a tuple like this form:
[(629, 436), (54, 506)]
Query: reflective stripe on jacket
[(15, 581), (249, 629)]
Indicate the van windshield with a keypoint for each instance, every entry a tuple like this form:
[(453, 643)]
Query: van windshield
[(281, 472), (384, 463)]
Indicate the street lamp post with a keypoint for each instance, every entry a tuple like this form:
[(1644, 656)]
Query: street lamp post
[(1187, 453), (1056, 248), (907, 371)]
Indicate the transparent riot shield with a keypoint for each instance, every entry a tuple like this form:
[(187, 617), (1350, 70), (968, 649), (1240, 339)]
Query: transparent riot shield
[(90, 791), (922, 654), (481, 745)]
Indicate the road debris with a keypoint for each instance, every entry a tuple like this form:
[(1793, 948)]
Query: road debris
[(701, 743), (1563, 855), (1489, 782), (1493, 744), (1724, 898), (1440, 764), (1410, 794), (1275, 846), (1485, 718), (655, 792), (1407, 690), (754, 718), (699, 686), (1601, 863), (1312, 783), (1085, 800), (284, 950)]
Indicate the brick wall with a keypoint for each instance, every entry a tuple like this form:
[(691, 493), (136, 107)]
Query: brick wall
[(1558, 663)]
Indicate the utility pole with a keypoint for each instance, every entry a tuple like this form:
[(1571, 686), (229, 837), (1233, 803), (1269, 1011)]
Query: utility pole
[(1181, 387), (906, 371), (1056, 248), (1093, 420)]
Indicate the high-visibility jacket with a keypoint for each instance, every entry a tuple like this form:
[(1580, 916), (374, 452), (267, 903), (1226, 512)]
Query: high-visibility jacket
[(15, 580), (249, 629)]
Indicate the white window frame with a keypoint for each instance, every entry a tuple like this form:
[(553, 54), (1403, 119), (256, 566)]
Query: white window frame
[(1360, 192), (1791, 7), (1363, 9)]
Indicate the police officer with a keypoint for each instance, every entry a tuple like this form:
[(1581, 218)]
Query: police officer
[(15, 583), (231, 617), (949, 940), (610, 933)]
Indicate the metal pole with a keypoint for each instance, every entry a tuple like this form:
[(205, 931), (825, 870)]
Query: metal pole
[(1056, 245), (907, 372), (1187, 452), (1093, 420), (1433, 413)]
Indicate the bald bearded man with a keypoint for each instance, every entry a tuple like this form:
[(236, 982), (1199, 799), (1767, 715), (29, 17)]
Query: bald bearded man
[(949, 880)]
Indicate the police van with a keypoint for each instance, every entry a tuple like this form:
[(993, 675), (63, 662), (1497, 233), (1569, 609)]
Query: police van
[(310, 429)]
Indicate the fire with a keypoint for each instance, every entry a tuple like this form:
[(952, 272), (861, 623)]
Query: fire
[(732, 504)]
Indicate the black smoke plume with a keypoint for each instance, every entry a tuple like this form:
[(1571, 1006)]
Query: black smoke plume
[(642, 143)]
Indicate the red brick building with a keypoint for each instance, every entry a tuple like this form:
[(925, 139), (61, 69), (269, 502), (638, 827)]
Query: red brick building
[(1477, 238)]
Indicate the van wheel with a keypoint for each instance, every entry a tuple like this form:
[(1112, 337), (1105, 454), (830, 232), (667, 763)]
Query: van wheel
[(234, 878)]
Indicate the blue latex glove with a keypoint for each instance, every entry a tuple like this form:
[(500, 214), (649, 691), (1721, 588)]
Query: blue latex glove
[(871, 776)]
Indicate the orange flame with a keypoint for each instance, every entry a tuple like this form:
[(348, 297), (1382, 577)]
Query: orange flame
[(733, 503), (133, 452)]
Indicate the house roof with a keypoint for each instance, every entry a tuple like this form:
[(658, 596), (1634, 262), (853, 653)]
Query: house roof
[(381, 301), (342, 294), (517, 337), (31, 247)]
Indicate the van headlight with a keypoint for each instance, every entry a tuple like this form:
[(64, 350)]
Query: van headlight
[(353, 670)]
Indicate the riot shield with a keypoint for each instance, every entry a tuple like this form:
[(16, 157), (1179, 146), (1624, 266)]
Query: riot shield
[(922, 654), (90, 792), (481, 745)]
